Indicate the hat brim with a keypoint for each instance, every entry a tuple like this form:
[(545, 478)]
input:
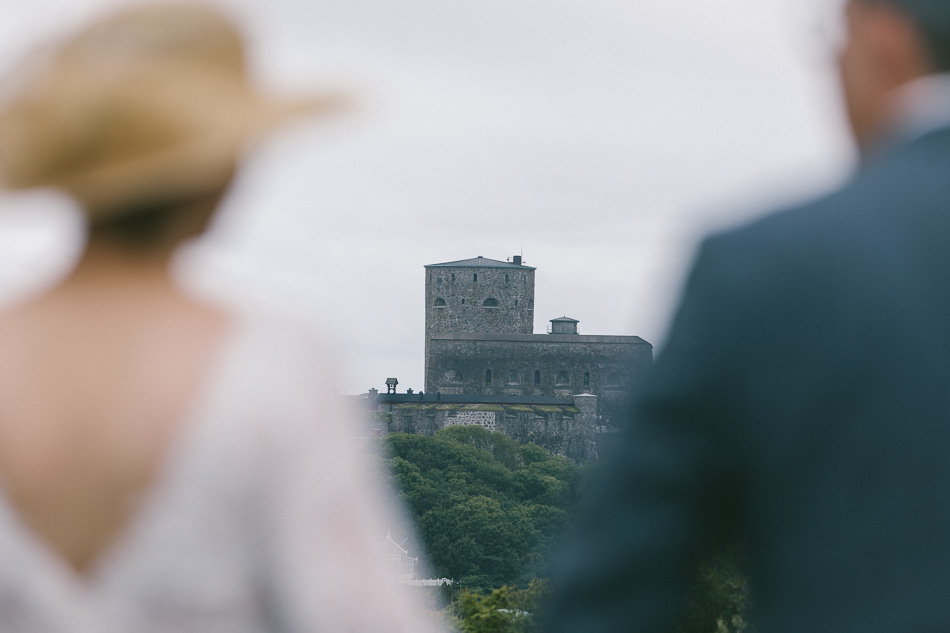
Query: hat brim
[(199, 165)]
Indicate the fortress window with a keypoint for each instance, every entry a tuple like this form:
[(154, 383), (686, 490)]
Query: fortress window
[(475, 277), (537, 377), (563, 378), (487, 376), (586, 379), (490, 303), (439, 302)]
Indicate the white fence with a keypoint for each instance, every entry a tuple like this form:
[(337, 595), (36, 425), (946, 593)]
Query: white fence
[(430, 582)]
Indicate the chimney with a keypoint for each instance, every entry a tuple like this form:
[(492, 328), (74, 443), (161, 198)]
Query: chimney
[(516, 260)]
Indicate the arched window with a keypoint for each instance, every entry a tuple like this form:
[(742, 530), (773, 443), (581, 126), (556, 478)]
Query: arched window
[(439, 302), (537, 376), (586, 379), (490, 303), (487, 376)]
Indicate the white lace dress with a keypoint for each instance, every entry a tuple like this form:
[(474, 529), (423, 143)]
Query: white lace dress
[(265, 517)]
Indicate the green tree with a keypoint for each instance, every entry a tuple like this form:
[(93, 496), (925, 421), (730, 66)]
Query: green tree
[(502, 448), (488, 509), (504, 610), (719, 597), (491, 511)]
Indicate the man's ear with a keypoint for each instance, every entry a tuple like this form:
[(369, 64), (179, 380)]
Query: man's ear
[(883, 51), (897, 51)]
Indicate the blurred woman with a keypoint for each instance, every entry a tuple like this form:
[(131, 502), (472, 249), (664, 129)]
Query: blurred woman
[(166, 464)]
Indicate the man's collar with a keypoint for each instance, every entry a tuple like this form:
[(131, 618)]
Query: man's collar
[(921, 106)]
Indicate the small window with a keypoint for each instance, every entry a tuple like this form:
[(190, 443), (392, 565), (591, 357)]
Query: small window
[(563, 378), (453, 276), (463, 301), (490, 303), (487, 376), (506, 277), (439, 302), (475, 277), (537, 377), (514, 378), (586, 379)]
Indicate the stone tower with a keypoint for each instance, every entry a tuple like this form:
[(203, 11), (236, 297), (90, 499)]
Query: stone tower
[(478, 295)]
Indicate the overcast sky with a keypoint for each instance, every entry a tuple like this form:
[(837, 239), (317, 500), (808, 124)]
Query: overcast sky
[(599, 138)]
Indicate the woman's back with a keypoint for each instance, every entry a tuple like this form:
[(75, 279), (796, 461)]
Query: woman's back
[(261, 514), (95, 379)]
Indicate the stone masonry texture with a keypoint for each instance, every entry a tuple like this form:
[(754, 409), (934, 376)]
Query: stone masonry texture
[(563, 430), (541, 365), (479, 339)]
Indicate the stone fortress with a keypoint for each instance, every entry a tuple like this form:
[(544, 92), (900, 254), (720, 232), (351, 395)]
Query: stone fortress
[(485, 365)]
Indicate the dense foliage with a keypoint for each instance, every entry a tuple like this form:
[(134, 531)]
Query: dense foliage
[(488, 509), (504, 610), (718, 598)]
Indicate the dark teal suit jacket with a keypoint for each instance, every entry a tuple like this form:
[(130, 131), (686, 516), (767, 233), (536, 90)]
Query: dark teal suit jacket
[(801, 407)]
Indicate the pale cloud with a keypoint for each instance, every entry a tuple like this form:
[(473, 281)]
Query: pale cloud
[(602, 137)]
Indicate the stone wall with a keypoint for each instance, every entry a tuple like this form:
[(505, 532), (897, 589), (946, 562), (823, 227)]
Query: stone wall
[(456, 298), (480, 295), (564, 430), (540, 364)]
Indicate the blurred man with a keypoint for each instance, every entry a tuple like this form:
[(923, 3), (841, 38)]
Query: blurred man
[(802, 404)]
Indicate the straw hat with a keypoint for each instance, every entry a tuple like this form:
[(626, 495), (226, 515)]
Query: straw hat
[(150, 104)]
